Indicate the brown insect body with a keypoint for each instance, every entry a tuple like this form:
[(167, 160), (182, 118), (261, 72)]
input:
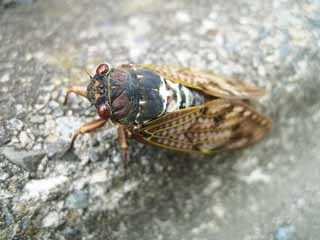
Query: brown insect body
[(176, 108)]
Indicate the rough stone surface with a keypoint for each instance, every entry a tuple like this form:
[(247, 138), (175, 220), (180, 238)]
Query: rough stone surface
[(28, 160), (269, 191)]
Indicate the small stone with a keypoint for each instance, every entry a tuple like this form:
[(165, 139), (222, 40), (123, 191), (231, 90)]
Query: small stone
[(52, 138), (262, 71), (257, 175), (78, 199), (57, 148), (72, 233), (37, 119), (183, 17), (15, 124), (58, 112), (37, 147), (98, 177), (286, 232), (27, 160), (66, 126), (19, 108), (51, 220), (5, 78), (35, 189), (4, 176), (93, 156), (24, 139), (4, 135), (8, 217), (50, 125), (53, 105)]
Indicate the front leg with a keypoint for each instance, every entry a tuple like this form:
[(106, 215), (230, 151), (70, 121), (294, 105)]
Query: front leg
[(82, 91), (88, 127), (122, 132)]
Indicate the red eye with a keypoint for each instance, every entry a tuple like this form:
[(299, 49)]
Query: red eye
[(102, 69), (103, 111)]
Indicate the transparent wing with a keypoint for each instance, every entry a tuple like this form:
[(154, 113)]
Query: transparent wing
[(218, 125)]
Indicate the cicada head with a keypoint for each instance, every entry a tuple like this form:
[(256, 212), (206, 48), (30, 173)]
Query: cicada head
[(110, 90), (98, 91)]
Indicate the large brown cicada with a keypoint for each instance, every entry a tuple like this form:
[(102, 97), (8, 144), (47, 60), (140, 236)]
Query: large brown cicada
[(182, 109)]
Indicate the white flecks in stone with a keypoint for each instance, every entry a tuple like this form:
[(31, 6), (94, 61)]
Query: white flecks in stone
[(53, 105), (51, 220), (219, 211), (15, 124), (19, 108), (183, 17), (255, 176), (24, 139), (207, 25), (98, 177), (262, 71), (66, 126), (212, 186), (5, 78), (115, 196), (37, 119), (35, 189), (183, 55)]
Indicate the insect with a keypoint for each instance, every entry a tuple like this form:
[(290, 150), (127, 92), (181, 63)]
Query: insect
[(182, 109)]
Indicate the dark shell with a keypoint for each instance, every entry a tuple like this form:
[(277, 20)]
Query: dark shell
[(135, 96)]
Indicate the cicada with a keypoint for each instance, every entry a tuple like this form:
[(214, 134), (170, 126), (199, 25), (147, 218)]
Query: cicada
[(177, 108)]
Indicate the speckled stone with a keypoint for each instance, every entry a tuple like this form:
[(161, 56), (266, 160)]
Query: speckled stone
[(259, 193)]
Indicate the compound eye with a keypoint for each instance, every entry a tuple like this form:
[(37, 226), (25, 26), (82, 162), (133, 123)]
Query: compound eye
[(102, 69), (103, 111)]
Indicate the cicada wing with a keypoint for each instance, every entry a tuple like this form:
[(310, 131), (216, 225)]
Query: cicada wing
[(210, 83), (218, 125)]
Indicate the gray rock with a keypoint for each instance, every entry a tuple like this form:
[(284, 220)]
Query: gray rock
[(4, 135), (37, 119), (53, 105), (66, 126), (42, 189), (7, 215), (51, 220), (15, 124), (57, 149), (77, 200), (27, 160), (12, 3), (286, 232), (47, 46), (24, 139)]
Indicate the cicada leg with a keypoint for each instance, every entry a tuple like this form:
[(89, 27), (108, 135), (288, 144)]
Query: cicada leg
[(88, 127), (82, 91), (122, 131)]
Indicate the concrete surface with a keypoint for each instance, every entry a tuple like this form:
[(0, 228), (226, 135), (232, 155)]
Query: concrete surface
[(269, 191)]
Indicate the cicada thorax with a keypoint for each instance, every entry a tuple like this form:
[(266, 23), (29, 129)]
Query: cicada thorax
[(134, 96), (138, 96)]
